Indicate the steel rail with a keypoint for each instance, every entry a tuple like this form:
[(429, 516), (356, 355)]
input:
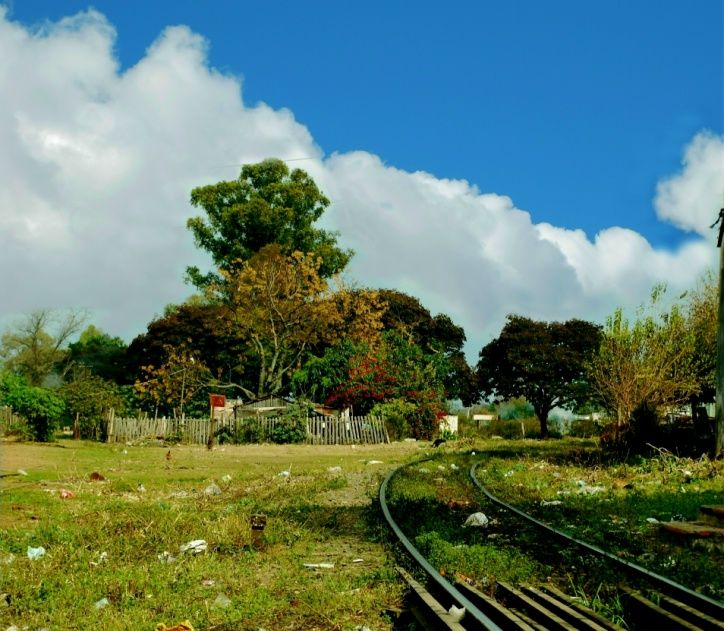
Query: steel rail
[(471, 609), (709, 605)]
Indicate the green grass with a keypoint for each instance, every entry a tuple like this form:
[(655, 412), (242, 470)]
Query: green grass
[(313, 516)]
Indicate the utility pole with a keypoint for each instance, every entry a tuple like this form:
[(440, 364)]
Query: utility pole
[(718, 446)]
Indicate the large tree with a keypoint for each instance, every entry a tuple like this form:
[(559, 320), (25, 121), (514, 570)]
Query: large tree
[(100, 354), (648, 364), (36, 347), (282, 307), (433, 334), (266, 204), (545, 362)]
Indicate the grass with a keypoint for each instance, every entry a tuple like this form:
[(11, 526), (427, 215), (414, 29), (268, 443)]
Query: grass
[(148, 505), (104, 542)]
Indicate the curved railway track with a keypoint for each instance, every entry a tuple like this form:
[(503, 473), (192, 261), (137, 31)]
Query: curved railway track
[(440, 604)]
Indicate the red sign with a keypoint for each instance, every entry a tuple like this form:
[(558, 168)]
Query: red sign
[(217, 400)]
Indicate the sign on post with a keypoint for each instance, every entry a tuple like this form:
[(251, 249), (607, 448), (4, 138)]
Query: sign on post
[(217, 401)]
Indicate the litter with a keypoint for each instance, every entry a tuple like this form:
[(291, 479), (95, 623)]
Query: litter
[(36, 553), (226, 478), (358, 560), (456, 613), (319, 566), (65, 494), (207, 582), (181, 626), (222, 601), (140, 488), (424, 470), (102, 557), (194, 547), (374, 462), (472, 453), (334, 470), (652, 520), (454, 467), (551, 503), (284, 474), (441, 467), (103, 602), (477, 520), (508, 474), (179, 494), (22, 472), (166, 557), (212, 489)]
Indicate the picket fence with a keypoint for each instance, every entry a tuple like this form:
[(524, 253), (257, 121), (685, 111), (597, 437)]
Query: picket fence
[(9, 421), (321, 430)]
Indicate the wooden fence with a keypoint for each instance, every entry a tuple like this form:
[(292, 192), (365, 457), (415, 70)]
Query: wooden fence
[(10, 421), (320, 430)]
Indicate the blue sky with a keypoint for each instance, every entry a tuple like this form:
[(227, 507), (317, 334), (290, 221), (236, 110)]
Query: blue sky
[(573, 112)]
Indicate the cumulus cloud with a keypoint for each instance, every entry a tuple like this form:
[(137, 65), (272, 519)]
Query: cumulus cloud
[(691, 199), (97, 164)]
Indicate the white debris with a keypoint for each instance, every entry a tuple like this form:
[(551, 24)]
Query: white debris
[(36, 553), (166, 557), (456, 613), (284, 474), (424, 470), (477, 520), (212, 489), (508, 474), (334, 470), (140, 488), (374, 462), (103, 602), (319, 566), (226, 479), (22, 472), (441, 467), (473, 453), (358, 560), (652, 520), (194, 547), (551, 503), (102, 557), (179, 494), (454, 467)]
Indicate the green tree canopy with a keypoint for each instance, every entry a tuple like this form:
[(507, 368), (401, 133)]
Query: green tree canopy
[(266, 204), (545, 362), (36, 347), (645, 364), (100, 354)]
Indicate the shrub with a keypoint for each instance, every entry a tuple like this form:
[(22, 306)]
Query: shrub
[(41, 407)]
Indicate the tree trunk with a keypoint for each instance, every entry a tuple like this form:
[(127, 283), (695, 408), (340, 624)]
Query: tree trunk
[(542, 414)]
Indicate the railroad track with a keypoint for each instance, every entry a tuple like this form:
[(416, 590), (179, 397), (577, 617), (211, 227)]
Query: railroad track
[(436, 603)]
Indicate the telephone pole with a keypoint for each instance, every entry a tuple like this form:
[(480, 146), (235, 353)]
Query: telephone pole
[(718, 446)]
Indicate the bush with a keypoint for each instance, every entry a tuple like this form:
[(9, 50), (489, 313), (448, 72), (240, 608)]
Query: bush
[(289, 430), (41, 407), (395, 414)]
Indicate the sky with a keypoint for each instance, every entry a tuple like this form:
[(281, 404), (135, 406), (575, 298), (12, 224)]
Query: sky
[(552, 159)]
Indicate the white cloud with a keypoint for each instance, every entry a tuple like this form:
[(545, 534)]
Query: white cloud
[(692, 198), (96, 167)]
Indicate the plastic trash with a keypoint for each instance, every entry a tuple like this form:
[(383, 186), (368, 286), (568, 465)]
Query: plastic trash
[(208, 582), (212, 489), (334, 470), (22, 472), (103, 602), (36, 553), (441, 467), (652, 520), (102, 558), (222, 601), (551, 503), (226, 478), (140, 488), (197, 546), (374, 462), (319, 566), (454, 467), (477, 520), (456, 613), (181, 626), (284, 474), (166, 557)]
